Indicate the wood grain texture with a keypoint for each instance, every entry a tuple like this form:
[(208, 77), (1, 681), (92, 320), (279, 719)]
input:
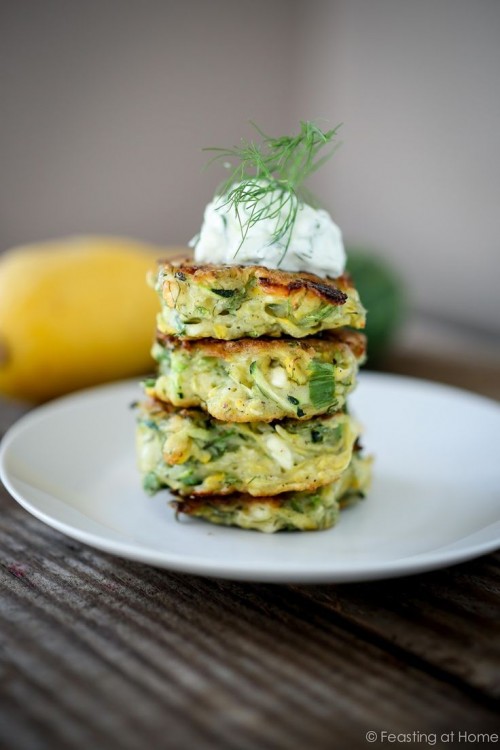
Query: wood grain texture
[(99, 652)]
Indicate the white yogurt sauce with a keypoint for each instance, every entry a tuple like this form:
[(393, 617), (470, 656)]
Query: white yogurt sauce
[(315, 241)]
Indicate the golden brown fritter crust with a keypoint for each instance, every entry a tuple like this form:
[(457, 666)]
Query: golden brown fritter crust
[(274, 281), (226, 349), (235, 302), (189, 505)]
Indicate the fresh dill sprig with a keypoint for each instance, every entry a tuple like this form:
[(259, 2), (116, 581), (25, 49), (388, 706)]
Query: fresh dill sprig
[(267, 180)]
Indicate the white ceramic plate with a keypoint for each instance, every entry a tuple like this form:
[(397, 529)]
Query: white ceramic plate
[(435, 499)]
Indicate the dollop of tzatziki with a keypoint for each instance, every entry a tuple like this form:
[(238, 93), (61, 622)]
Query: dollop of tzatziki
[(314, 242)]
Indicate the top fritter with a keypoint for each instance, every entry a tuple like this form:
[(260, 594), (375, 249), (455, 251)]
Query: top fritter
[(232, 302)]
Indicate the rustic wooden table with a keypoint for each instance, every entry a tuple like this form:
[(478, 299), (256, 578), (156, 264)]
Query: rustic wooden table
[(99, 652)]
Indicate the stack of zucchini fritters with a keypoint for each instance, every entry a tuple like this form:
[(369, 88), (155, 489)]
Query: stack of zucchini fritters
[(246, 421)]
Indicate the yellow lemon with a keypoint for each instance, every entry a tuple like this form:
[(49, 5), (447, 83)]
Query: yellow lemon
[(75, 312)]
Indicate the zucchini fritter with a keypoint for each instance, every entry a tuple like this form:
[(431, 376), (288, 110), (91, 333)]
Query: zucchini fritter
[(232, 302), (258, 379), (194, 454), (302, 511)]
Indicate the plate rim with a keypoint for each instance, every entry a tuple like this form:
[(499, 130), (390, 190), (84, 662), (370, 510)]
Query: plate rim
[(412, 565)]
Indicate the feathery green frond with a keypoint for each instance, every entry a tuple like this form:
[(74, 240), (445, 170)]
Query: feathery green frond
[(266, 179)]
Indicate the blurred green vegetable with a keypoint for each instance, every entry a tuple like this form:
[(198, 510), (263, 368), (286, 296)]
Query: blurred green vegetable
[(383, 295)]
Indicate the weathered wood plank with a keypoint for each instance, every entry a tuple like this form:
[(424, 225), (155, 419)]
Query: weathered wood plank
[(449, 618), (102, 652)]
